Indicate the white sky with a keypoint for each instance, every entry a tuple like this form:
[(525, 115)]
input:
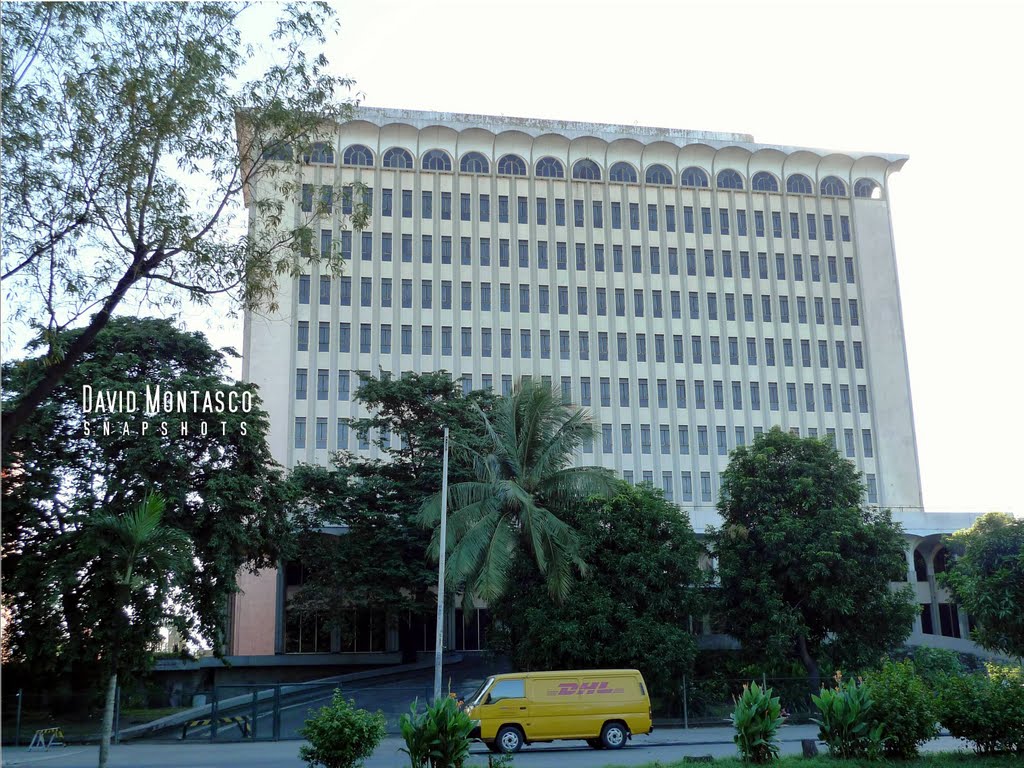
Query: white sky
[(941, 82)]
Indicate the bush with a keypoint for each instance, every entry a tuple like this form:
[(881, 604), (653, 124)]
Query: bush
[(341, 736), (438, 737), (846, 723), (757, 718), (987, 709), (934, 665), (902, 702)]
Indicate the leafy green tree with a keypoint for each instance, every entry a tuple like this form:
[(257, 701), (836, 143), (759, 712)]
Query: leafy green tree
[(221, 490), (122, 129), (380, 561), (986, 578), (146, 559), (632, 609), (523, 483), (804, 567)]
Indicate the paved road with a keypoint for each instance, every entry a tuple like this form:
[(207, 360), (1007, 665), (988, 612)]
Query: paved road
[(664, 745)]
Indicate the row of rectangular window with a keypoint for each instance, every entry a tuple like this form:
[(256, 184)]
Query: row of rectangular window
[(637, 262), (715, 351), (579, 213), (683, 445), (643, 396)]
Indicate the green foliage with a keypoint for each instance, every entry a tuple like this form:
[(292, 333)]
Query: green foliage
[(341, 736), (846, 724), (523, 482), (931, 760), (986, 709), (904, 705), (438, 737), (221, 491), (986, 578), (631, 610), (934, 665), (122, 130), (804, 568), (757, 719), (381, 562)]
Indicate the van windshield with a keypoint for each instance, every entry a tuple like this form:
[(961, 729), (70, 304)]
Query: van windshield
[(478, 694)]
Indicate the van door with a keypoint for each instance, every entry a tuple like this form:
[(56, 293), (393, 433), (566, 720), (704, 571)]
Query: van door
[(554, 708), (504, 703)]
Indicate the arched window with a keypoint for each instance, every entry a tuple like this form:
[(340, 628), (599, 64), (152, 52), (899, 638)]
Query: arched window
[(940, 560), (474, 162), (833, 187), (357, 154), (437, 160), (587, 170), (920, 568), (623, 172), (320, 152), (658, 174), (798, 184), (764, 182), (278, 151), (729, 179), (550, 168), (396, 157), (693, 177), (867, 188), (512, 165)]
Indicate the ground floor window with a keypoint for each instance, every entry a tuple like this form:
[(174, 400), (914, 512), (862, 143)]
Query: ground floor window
[(471, 628), (423, 629), (363, 630), (306, 632)]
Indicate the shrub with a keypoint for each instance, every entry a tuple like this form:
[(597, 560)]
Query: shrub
[(846, 720), (934, 665), (987, 709), (757, 718), (903, 704), (438, 737), (341, 736)]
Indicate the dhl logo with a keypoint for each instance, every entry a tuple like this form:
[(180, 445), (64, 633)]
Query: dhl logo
[(585, 689)]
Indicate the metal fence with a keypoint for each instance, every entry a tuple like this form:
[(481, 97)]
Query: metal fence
[(265, 712), (701, 702)]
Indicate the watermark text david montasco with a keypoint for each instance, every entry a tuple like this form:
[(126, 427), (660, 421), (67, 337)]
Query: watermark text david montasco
[(118, 412)]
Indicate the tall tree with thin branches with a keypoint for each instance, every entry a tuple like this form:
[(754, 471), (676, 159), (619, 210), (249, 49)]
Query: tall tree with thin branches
[(522, 485)]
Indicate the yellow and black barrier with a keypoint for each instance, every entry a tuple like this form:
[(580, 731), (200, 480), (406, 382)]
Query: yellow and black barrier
[(242, 721), (46, 738)]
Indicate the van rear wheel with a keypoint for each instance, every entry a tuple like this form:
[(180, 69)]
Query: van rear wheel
[(509, 739), (613, 736)]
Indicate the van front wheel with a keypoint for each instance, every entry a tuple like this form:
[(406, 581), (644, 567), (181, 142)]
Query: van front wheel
[(613, 736), (509, 739)]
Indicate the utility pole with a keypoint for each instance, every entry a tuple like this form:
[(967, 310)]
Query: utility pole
[(439, 641)]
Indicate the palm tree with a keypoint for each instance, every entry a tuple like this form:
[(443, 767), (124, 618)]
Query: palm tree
[(521, 485), (141, 551)]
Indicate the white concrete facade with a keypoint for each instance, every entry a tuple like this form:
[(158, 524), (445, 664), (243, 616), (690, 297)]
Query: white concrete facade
[(686, 320)]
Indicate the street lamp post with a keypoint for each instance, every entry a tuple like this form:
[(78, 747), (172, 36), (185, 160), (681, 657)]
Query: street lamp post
[(439, 640)]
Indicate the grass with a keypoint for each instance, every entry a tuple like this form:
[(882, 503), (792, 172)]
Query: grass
[(933, 760), (77, 726)]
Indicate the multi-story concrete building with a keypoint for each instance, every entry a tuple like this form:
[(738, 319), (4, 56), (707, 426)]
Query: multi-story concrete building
[(690, 288)]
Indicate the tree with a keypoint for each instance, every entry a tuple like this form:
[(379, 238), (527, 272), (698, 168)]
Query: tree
[(122, 177), (804, 568), (986, 578), (380, 561), (221, 490), (633, 608), (522, 484), (144, 559)]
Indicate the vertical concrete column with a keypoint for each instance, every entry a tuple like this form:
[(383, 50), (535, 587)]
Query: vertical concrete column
[(933, 592), (918, 630), (965, 630), (279, 610)]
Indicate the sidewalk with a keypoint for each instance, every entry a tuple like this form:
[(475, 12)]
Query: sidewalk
[(284, 754)]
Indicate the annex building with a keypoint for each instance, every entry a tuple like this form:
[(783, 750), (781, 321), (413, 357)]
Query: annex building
[(690, 288)]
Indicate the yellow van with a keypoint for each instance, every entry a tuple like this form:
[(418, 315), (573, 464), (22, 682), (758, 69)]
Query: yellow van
[(604, 706)]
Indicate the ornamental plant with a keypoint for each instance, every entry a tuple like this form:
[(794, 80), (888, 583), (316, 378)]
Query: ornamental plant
[(902, 702), (439, 737), (757, 718), (986, 709), (846, 724), (341, 736)]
